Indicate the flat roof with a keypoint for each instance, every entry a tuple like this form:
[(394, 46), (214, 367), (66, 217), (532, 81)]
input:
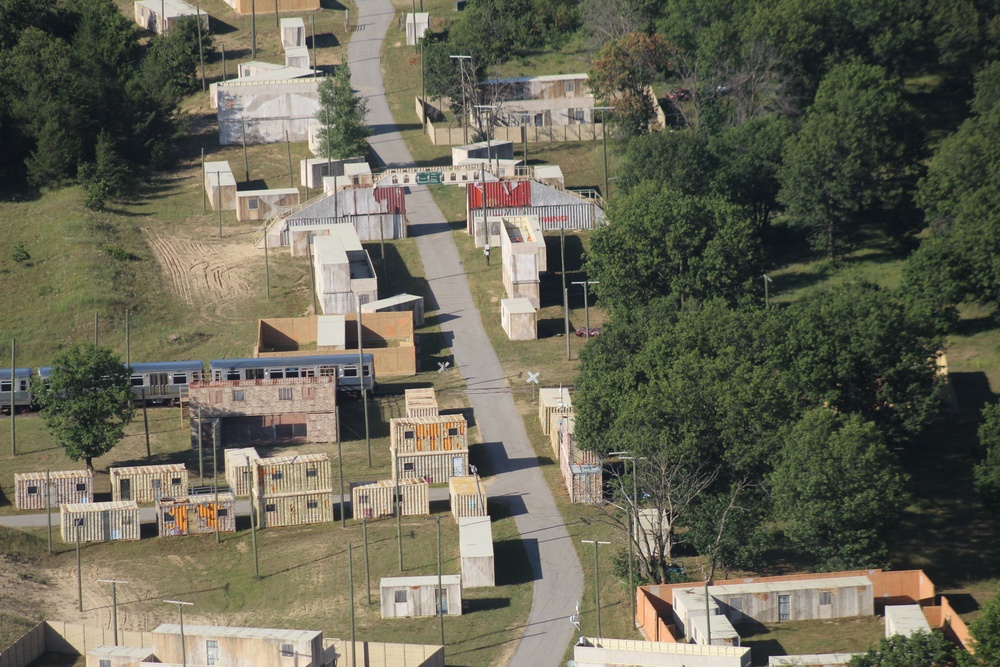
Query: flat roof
[(553, 397), (220, 166), (100, 507), (142, 470), (907, 619), (198, 499), (241, 457), (640, 646), (794, 585), (465, 484), (357, 169), (171, 7), (122, 651), (274, 191), (331, 330), (520, 305), (475, 537), (383, 483), (54, 474), (226, 631), (812, 659), (548, 171), (18, 373), (289, 362), (425, 580), (721, 627), (543, 78), (167, 366), (296, 22)]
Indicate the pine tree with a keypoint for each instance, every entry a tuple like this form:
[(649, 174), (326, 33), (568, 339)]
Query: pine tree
[(343, 132)]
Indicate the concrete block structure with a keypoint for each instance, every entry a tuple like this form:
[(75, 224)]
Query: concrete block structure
[(905, 619), (239, 475), (467, 496), (416, 27), (691, 606), (551, 401), (560, 99), (196, 513), (356, 175), (258, 70), (264, 111), (375, 214), (413, 596), (481, 150), (475, 541), (297, 56), (220, 186), (275, 410), (522, 254), (159, 15), (264, 204), (396, 304), (601, 652), (313, 170), (431, 448), (64, 486), (293, 32), (555, 209), (377, 499), (519, 318), (387, 336), (581, 469), (550, 175), (344, 271), (292, 490), (119, 656), (144, 484), (421, 402), (238, 647), (99, 522)]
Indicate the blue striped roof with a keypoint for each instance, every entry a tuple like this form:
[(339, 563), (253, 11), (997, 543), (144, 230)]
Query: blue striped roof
[(18, 373), (167, 366), (288, 362)]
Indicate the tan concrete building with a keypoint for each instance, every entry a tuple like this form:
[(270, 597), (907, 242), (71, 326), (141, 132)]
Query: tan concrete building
[(238, 647), (344, 271), (288, 409), (519, 319)]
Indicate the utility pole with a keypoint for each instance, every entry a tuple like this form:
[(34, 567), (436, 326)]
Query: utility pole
[(114, 602), (215, 478), (465, 109), (440, 597), (223, 61), (368, 580), (145, 419), (180, 613), (633, 521), (562, 273), (340, 461), (253, 35), (79, 567), (586, 301), (312, 23), (48, 507), (597, 580), (97, 329), (361, 379), (399, 516), (128, 340), (312, 274), (604, 135), (218, 190), (277, 22), (253, 528), (201, 461), (288, 149), (267, 265), (201, 50), (204, 190), (350, 575), (767, 281), (13, 405)]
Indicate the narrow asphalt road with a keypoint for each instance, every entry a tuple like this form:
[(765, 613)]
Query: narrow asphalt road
[(558, 578)]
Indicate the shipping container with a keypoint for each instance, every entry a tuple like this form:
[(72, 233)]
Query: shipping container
[(552, 400), (421, 402), (65, 486), (404, 597), (443, 433), (294, 509), (475, 539), (377, 499), (238, 473), (555, 209), (195, 514), (468, 498), (292, 474), (435, 467), (144, 484), (99, 522)]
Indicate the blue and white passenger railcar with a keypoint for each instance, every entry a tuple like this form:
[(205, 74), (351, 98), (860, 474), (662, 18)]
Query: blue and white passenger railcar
[(22, 389), (343, 366)]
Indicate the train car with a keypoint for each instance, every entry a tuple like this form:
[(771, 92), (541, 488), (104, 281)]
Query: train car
[(343, 366), (22, 389), (158, 381)]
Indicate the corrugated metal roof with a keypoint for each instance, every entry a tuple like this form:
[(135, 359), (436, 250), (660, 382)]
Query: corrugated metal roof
[(435, 419), (794, 585), (18, 373), (298, 458), (499, 193), (134, 470), (409, 481), (100, 507), (465, 484), (226, 631), (426, 580), (475, 536), (55, 474)]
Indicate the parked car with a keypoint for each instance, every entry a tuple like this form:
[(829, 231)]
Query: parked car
[(679, 95), (582, 331)]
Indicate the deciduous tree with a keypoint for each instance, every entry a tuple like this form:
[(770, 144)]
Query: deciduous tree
[(621, 74), (987, 473), (86, 402), (921, 649), (985, 632), (343, 132)]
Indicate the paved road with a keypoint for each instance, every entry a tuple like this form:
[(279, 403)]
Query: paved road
[(556, 568)]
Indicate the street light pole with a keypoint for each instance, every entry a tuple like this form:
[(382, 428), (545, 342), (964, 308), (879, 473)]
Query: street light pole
[(114, 602), (489, 149), (465, 110), (180, 613), (604, 136), (767, 281), (597, 579), (440, 597), (586, 301)]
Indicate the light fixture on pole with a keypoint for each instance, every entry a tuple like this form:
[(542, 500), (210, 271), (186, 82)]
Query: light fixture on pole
[(490, 108), (604, 136), (180, 613), (597, 580), (114, 602), (465, 110)]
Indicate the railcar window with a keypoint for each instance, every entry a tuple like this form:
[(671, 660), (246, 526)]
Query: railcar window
[(179, 378), (137, 381), (291, 372), (350, 371), (5, 386), (276, 373), (233, 374)]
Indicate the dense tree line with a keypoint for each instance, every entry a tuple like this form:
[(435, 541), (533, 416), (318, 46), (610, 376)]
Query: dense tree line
[(80, 96)]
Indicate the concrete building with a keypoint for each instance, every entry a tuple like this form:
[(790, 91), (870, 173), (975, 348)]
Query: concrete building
[(396, 304), (297, 56), (148, 14), (905, 619), (293, 32), (238, 647), (376, 500), (481, 151), (264, 204), (220, 186), (119, 656), (387, 336), (344, 272), (144, 484), (64, 486), (269, 411), (99, 522), (519, 319), (245, 7), (694, 610), (238, 464), (313, 170), (257, 70), (467, 496), (560, 99), (421, 402), (552, 401), (550, 175), (404, 597), (803, 600), (601, 652), (555, 209), (581, 469), (264, 111), (475, 542), (416, 27), (376, 214), (523, 256), (195, 514)]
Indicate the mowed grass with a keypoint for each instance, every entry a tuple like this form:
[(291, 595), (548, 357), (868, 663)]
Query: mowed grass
[(842, 635)]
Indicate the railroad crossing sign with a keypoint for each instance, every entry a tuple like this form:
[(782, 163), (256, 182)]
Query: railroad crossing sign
[(532, 378), (443, 365), (430, 178)]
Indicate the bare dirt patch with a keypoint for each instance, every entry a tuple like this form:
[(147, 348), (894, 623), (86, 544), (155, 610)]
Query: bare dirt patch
[(201, 273)]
